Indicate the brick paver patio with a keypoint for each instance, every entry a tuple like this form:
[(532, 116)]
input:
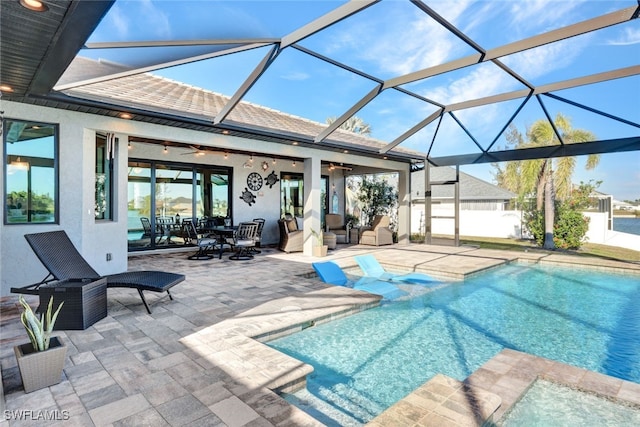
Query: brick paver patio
[(199, 360)]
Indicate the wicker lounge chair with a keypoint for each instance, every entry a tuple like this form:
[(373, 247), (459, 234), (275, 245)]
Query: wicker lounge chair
[(58, 254)]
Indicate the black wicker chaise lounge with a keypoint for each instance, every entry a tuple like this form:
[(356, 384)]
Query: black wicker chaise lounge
[(58, 254)]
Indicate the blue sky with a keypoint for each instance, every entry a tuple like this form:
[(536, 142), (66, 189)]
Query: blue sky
[(393, 38)]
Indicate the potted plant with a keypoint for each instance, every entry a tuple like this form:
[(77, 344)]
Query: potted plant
[(41, 361), (319, 249)]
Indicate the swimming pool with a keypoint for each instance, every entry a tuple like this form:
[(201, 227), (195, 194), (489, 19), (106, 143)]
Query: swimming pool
[(366, 362), (550, 404)]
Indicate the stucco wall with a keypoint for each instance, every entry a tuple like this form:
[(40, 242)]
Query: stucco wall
[(506, 224), (94, 239)]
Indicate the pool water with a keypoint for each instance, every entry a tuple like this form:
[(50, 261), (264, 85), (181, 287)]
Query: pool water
[(550, 404), (366, 362)]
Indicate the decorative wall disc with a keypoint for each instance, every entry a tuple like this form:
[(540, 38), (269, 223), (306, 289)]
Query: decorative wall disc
[(254, 181), (272, 178), (248, 197)]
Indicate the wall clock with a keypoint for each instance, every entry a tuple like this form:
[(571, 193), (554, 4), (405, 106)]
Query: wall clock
[(254, 181)]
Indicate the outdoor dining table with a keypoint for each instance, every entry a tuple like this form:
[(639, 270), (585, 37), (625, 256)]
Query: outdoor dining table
[(223, 232)]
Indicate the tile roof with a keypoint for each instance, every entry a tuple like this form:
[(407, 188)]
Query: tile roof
[(471, 188), (162, 95)]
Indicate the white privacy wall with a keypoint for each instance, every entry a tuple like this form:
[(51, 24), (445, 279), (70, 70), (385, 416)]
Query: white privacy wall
[(504, 224)]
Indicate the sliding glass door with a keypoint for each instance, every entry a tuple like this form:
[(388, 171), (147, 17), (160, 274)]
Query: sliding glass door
[(161, 195), (292, 194)]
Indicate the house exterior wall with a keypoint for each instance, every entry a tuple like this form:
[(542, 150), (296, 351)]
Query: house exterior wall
[(94, 239)]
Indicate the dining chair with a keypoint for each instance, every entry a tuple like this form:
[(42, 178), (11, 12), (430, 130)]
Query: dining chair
[(260, 222), (244, 240), (205, 244)]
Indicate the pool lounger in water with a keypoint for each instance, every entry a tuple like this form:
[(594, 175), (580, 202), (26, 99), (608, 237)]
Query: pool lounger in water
[(330, 272), (372, 268)]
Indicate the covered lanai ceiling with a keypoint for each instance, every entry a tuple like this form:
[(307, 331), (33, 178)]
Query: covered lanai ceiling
[(441, 80)]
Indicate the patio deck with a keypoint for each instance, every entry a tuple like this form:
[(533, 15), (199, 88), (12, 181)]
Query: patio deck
[(199, 360)]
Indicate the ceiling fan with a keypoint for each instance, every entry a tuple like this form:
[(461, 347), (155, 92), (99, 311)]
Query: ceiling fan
[(195, 150), (334, 166)]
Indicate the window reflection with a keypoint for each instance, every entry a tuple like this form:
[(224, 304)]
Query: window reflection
[(31, 190), (292, 195), (161, 196)]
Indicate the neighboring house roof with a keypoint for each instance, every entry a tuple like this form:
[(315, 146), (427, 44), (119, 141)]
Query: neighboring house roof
[(471, 188), (161, 95), (622, 204)]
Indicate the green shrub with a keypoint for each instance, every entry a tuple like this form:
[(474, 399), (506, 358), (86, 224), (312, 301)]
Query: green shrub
[(569, 229), (534, 221)]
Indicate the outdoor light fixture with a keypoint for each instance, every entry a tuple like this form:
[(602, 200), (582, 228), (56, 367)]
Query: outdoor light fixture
[(226, 155), (166, 150), (6, 88), (19, 164), (341, 166), (125, 116), (129, 145), (273, 161), (293, 164), (35, 5), (265, 166)]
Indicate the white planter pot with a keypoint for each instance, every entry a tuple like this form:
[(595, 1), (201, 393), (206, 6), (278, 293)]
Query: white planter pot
[(320, 251), (40, 369)]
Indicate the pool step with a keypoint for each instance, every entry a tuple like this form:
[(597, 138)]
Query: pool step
[(441, 401)]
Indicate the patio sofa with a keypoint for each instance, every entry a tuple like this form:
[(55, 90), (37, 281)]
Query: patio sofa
[(378, 233), (291, 237)]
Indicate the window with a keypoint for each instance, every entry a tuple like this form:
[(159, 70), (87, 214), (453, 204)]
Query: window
[(292, 194), (105, 147), (159, 191), (31, 172)]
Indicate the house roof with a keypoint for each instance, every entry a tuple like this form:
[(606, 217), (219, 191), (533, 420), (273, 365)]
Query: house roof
[(164, 96), (471, 188)]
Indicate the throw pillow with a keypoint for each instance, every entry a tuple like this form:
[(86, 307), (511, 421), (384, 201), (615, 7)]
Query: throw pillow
[(292, 225)]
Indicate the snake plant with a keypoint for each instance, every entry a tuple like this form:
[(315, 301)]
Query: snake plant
[(39, 330)]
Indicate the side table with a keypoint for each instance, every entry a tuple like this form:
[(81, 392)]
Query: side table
[(85, 302), (354, 235)]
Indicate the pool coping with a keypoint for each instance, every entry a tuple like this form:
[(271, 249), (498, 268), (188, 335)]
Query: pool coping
[(237, 345), (511, 373), (487, 395)]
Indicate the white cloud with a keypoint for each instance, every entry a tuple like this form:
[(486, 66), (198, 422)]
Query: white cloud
[(127, 20), (628, 37), (537, 62), (155, 20), (120, 22), (541, 15), (296, 75), (482, 80), (397, 43)]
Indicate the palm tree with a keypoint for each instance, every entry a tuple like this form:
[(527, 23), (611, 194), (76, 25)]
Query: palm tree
[(548, 178), (353, 124)]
